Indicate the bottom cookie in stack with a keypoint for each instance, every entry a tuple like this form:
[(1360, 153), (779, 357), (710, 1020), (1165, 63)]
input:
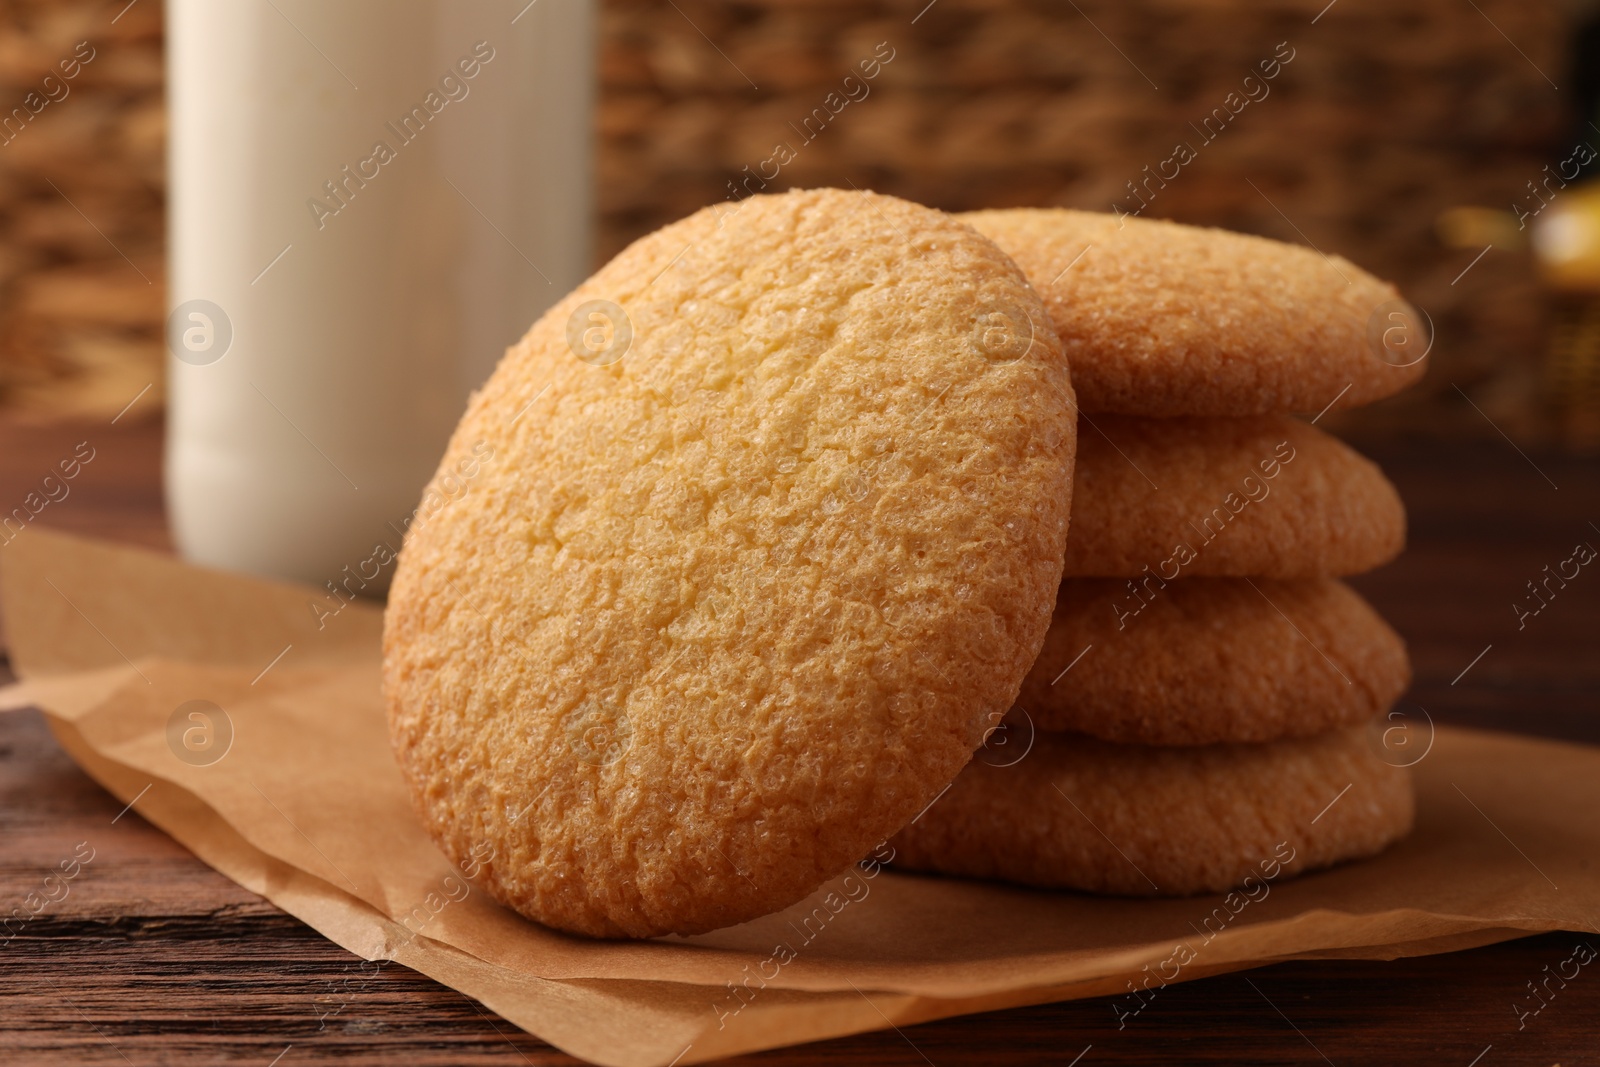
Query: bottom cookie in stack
[(1236, 738), (1149, 820)]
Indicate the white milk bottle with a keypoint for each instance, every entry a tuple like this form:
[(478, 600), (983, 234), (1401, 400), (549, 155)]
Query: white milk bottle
[(370, 200)]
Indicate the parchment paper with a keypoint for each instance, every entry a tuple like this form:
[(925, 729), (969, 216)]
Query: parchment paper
[(303, 804)]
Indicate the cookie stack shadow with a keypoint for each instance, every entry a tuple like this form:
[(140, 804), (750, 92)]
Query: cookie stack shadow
[(1209, 705)]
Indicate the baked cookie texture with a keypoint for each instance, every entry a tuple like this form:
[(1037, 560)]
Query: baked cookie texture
[(1266, 496), (1164, 319), (1198, 661), (714, 619), (1078, 813)]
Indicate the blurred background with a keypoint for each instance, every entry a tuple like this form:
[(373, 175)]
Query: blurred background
[(1419, 138)]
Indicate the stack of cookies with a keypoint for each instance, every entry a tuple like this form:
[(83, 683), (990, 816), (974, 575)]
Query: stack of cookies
[(770, 530), (1203, 709)]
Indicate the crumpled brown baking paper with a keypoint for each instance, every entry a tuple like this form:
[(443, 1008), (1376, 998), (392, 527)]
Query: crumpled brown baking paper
[(284, 782)]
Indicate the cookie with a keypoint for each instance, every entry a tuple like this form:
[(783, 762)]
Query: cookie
[(1164, 319), (1267, 496), (1078, 813), (753, 536), (1205, 660)]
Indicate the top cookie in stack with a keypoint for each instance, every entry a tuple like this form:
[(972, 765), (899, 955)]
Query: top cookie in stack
[(1162, 319), (1202, 638)]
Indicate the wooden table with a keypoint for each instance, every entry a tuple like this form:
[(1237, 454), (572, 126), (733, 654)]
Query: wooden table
[(155, 958)]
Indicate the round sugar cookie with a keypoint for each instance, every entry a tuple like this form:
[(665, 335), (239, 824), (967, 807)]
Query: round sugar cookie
[(1198, 661), (1266, 496), (744, 546), (1077, 813), (1160, 318)]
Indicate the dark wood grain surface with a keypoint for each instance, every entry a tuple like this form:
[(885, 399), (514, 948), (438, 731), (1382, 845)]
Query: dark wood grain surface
[(152, 957)]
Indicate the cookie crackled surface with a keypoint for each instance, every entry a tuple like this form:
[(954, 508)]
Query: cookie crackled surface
[(1144, 820), (737, 583), (1198, 661), (1163, 319), (1268, 496)]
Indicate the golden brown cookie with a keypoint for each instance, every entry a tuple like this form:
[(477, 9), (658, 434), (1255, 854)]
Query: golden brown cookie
[(1077, 813), (764, 528), (1265, 496), (1164, 319), (1204, 660)]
